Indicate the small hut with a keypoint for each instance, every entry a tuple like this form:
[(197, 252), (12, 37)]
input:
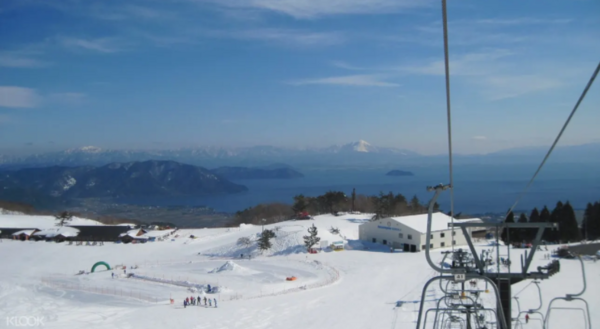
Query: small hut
[(24, 235), (337, 245)]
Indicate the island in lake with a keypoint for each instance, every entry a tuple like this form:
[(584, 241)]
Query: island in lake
[(399, 173)]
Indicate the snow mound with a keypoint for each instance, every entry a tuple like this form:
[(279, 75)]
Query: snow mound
[(232, 267), (228, 266)]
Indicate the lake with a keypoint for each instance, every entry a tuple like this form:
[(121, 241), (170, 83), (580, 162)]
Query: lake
[(477, 188)]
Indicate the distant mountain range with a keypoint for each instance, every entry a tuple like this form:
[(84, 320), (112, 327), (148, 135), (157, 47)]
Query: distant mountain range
[(399, 173), (358, 153), (133, 179)]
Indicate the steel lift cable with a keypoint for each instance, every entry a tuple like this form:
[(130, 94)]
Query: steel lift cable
[(587, 87), (448, 113)]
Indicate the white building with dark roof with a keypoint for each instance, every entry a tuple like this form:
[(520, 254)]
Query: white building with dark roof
[(409, 232)]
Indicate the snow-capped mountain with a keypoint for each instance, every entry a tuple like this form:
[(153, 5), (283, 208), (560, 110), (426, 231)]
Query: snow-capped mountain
[(213, 156)]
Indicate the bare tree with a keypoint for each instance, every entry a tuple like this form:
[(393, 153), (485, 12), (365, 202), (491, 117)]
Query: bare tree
[(63, 218)]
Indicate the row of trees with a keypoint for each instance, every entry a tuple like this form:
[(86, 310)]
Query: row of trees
[(564, 215), (382, 205)]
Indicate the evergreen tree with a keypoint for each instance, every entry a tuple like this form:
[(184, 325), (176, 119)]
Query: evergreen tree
[(533, 218), (510, 218), (332, 199), (591, 222), (545, 218), (415, 205), (520, 234), (555, 216), (568, 227), (594, 230), (63, 218), (264, 242), (300, 203), (353, 198), (311, 239), (587, 218), (381, 204)]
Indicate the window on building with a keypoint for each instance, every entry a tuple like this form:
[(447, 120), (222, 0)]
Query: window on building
[(400, 235), (431, 245), (442, 235), (431, 236), (453, 233), (453, 241), (384, 241), (442, 244), (409, 237), (374, 240), (423, 247)]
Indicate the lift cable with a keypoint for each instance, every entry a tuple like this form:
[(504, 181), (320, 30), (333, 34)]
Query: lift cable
[(448, 112), (589, 84)]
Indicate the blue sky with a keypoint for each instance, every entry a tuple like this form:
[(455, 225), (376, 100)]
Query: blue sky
[(298, 73)]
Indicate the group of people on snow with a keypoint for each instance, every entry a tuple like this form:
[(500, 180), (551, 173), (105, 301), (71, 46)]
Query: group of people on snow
[(198, 301)]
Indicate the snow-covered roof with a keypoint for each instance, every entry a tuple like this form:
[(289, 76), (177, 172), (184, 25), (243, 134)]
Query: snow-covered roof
[(26, 232), (147, 234), (64, 231), (338, 243), (439, 221)]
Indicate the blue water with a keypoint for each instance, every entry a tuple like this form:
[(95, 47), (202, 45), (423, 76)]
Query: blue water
[(478, 189)]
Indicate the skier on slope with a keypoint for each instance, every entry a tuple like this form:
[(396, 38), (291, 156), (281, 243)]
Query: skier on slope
[(199, 300), (204, 301), (215, 302), (209, 302), (526, 318)]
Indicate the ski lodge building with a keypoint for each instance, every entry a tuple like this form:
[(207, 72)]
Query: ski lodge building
[(409, 232)]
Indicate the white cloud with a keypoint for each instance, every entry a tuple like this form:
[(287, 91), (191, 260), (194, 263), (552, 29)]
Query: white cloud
[(102, 45), (18, 97), (345, 66), (116, 13), (477, 63), (17, 60), (285, 36), (315, 8), (67, 98), (504, 86), (520, 21), (349, 80)]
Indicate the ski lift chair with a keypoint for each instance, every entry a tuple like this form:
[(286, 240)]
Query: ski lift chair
[(533, 310), (570, 298)]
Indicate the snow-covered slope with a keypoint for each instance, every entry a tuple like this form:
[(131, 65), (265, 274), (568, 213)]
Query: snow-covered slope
[(355, 288)]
